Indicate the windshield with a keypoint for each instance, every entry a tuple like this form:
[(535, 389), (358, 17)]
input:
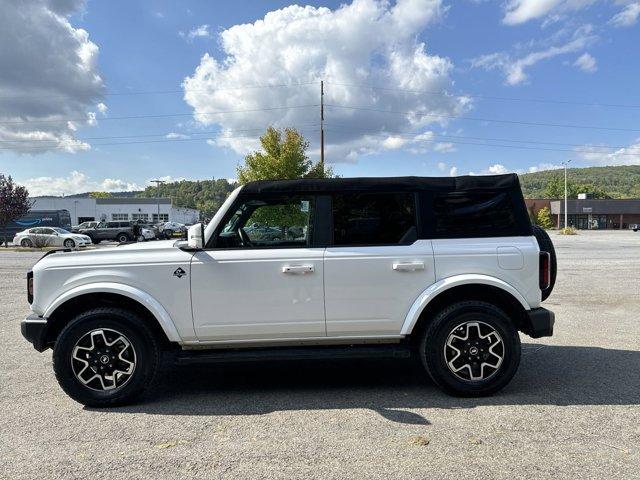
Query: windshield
[(60, 230)]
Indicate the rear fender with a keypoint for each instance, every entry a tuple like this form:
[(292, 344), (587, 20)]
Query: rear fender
[(445, 284)]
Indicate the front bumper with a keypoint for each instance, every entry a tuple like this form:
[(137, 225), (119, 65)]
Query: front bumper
[(538, 322), (34, 329)]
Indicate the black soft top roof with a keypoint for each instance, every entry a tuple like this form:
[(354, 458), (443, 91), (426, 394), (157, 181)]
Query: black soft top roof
[(441, 184)]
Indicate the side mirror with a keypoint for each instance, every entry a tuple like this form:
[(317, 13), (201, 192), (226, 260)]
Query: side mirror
[(195, 236)]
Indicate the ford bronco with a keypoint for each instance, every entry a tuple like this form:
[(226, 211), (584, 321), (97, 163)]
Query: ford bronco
[(448, 270)]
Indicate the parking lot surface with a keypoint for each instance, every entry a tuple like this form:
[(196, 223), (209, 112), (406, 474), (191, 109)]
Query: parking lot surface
[(572, 410)]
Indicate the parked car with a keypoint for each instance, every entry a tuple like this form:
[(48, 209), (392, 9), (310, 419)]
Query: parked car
[(448, 270), (84, 226), (264, 232), (116, 231), (145, 232), (169, 228), (50, 237), (635, 227)]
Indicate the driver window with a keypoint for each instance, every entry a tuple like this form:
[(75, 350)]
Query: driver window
[(269, 222)]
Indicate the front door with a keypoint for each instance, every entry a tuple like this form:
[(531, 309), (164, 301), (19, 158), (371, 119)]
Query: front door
[(261, 276), (377, 266)]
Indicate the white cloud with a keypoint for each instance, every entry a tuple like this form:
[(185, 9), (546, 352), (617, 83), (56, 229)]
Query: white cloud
[(522, 11), (297, 45), (442, 166), (202, 31), (453, 172), (586, 63), (541, 167), (35, 37), (514, 66), (102, 108), (444, 147), (393, 143), (628, 16), (176, 136), (600, 156), (75, 182), (498, 169)]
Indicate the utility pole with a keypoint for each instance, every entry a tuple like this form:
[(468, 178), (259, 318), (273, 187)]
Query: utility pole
[(158, 183), (322, 125), (565, 192)]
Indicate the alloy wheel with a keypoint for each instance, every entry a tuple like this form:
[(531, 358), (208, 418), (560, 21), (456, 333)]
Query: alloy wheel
[(103, 359), (474, 351)]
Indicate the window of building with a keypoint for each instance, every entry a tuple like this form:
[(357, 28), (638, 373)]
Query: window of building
[(119, 216), (164, 217), (140, 216), (374, 219), (474, 214)]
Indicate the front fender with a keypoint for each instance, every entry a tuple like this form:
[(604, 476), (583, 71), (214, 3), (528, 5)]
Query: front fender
[(156, 309), (445, 284)]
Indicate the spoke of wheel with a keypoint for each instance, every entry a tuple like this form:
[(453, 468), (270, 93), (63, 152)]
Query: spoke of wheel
[(458, 335)]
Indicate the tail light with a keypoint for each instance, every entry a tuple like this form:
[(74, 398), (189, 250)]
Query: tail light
[(30, 287), (545, 270)]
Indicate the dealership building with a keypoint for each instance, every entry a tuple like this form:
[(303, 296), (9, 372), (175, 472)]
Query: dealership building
[(118, 209), (591, 213)]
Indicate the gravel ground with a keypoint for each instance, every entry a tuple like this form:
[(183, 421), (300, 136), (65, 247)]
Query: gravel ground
[(572, 410)]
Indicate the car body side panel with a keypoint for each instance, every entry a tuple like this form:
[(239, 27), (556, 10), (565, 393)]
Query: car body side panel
[(514, 260), (145, 267)]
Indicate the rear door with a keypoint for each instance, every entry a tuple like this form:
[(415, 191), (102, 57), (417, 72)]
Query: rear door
[(376, 266)]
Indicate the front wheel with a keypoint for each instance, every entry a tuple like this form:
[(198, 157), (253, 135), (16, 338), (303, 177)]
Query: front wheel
[(106, 357), (471, 349), (68, 243), (123, 238)]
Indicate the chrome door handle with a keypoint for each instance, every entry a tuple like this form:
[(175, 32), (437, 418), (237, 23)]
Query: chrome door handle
[(408, 266), (298, 269)]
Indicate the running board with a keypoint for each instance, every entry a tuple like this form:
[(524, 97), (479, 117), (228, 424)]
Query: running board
[(187, 357)]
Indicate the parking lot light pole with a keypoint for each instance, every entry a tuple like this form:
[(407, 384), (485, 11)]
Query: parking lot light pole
[(158, 183), (565, 191)]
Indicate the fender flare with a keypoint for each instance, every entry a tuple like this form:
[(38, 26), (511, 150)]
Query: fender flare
[(450, 282), (150, 303)]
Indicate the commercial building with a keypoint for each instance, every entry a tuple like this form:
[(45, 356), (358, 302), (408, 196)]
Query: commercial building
[(118, 208), (589, 213)]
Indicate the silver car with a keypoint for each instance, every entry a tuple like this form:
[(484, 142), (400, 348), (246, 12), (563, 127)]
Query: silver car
[(50, 237)]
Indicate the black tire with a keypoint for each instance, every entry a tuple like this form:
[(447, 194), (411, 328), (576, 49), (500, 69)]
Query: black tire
[(434, 341), (26, 243), (168, 233), (122, 238), (95, 241), (68, 243), (546, 245), (146, 357)]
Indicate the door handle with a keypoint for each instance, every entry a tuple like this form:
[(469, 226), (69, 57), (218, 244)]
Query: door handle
[(408, 266), (298, 269)]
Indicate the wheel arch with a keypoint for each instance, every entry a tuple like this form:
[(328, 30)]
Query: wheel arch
[(464, 287), (106, 294)]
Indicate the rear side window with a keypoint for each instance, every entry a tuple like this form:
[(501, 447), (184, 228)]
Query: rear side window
[(474, 214), (374, 219), (113, 225)]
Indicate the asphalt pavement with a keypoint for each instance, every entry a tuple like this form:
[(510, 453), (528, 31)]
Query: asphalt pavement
[(572, 410)]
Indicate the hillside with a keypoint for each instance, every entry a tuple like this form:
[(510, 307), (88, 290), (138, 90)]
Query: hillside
[(618, 182)]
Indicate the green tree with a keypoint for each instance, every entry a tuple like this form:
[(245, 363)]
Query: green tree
[(544, 218), (284, 156), (99, 195)]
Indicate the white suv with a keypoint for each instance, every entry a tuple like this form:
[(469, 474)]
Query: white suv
[(444, 269)]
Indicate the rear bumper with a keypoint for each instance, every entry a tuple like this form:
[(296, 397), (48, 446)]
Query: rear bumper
[(34, 329), (538, 322)]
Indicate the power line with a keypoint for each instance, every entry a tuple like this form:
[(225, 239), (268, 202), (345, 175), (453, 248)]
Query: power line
[(521, 147), (167, 92), (489, 120), (487, 97), (162, 115)]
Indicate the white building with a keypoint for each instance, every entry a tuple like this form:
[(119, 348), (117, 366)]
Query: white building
[(118, 208)]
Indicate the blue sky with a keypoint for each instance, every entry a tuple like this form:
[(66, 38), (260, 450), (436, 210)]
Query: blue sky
[(431, 63)]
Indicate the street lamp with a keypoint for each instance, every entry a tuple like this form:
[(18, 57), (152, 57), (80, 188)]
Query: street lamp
[(565, 163), (158, 183)]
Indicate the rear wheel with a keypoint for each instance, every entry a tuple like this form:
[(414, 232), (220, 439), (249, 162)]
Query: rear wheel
[(168, 233), (122, 238), (471, 349), (106, 357), (26, 242)]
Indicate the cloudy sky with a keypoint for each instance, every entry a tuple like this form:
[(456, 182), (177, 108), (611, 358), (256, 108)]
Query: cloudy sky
[(107, 95)]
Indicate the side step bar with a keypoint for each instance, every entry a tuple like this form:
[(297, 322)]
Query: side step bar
[(187, 357)]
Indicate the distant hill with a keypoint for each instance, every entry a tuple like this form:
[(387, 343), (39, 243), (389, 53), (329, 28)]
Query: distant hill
[(131, 194), (619, 182)]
